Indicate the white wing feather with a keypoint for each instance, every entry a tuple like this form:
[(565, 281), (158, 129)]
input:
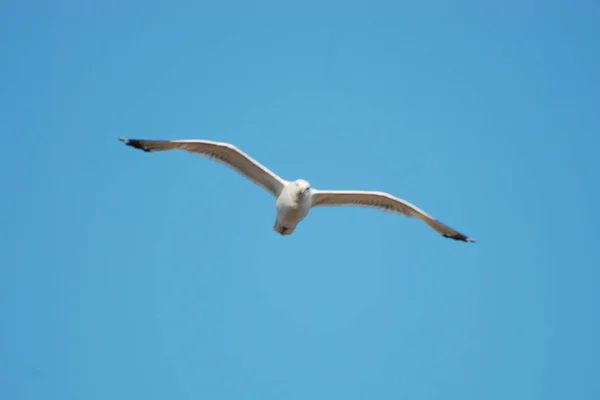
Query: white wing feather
[(385, 202), (224, 153)]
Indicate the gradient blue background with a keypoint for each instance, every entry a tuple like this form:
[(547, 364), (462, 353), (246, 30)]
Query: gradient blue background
[(127, 275)]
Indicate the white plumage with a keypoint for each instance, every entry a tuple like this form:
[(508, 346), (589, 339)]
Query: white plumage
[(295, 199)]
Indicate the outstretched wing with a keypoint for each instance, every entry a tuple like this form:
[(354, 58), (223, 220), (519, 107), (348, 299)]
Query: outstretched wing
[(224, 153), (385, 202)]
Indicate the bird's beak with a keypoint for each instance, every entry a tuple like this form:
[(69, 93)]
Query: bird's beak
[(303, 190)]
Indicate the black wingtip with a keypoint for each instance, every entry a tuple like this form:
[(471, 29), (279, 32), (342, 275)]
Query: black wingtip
[(460, 237), (134, 143)]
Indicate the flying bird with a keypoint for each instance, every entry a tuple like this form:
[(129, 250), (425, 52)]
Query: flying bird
[(296, 198)]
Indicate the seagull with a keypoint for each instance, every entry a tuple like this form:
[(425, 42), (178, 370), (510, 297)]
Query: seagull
[(296, 198)]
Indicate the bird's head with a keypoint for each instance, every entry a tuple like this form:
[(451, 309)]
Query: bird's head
[(303, 186)]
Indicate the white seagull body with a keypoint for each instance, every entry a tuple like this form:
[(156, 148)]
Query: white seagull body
[(296, 198)]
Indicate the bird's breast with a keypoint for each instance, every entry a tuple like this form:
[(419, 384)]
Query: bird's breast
[(290, 208)]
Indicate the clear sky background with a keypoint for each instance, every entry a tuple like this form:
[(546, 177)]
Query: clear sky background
[(127, 275)]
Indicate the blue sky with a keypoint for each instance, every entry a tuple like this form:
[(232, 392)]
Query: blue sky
[(131, 275)]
